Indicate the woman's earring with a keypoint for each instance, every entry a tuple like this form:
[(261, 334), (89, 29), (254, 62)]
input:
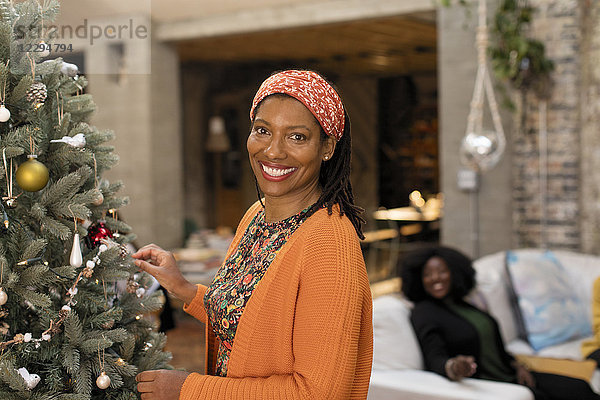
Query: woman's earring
[(326, 158)]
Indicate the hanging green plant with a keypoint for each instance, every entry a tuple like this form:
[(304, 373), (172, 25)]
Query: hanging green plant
[(514, 57)]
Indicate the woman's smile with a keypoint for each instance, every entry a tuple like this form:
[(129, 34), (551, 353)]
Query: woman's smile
[(275, 172)]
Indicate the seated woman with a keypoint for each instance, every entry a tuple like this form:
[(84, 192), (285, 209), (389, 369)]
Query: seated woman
[(459, 340)]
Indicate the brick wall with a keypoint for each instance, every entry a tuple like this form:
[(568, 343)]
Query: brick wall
[(590, 129), (558, 25)]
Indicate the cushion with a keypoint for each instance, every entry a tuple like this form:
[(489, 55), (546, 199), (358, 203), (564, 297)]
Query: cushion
[(395, 345), (560, 366), (547, 302), (492, 283)]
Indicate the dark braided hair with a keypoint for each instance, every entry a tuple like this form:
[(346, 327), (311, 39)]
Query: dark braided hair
[(334, 178)]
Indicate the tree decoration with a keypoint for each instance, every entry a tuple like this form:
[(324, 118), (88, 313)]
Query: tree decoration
[(31, 380), (77, 141), (99, 196), (3, 295), (69, 69), (76, 259), (9, 200), (37, 92), (32, 175), (97, 234), (132, 285), (4, 112), (5, 222), (103, 380)]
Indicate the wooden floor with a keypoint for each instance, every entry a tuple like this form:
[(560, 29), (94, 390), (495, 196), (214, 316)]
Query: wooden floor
[(186, 343)]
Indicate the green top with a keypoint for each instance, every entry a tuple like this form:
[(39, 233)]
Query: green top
[(490, 364)]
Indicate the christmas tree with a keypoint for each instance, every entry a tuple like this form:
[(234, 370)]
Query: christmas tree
[(72, 316)]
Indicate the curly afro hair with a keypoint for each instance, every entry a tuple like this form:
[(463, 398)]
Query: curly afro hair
[(461, 272)]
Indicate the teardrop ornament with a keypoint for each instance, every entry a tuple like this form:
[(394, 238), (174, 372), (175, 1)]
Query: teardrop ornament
[(76, 258)]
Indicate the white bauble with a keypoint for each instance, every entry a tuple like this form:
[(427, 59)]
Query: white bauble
[(103, 381), (4, 113), (3, 297)]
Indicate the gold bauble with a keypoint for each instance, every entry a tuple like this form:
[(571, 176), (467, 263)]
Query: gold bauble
[(32, 175)]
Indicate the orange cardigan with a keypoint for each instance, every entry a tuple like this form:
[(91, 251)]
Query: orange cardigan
[(306, 332)]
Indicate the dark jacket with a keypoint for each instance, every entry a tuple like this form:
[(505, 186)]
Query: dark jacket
[(444, 334)]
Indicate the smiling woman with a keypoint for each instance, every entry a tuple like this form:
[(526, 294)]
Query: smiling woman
[(288, 315), (457, 339)]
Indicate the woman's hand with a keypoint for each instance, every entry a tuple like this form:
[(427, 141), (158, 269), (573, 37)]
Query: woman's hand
[(162, 265), (524, 377), (460, 367), (160, 384)]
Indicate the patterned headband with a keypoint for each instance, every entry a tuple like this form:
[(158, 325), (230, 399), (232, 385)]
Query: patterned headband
[(311, 90)]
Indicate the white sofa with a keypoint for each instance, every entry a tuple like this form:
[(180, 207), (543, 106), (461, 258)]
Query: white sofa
[(397, 362)]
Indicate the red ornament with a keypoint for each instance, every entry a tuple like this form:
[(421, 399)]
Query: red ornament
[(97, 232)]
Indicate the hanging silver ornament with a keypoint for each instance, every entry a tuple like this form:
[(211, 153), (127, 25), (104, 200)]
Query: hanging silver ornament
[(103, 381), (76, 258), (481, 150)]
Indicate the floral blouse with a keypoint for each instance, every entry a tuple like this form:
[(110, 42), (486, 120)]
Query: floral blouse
[(226, 297)]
